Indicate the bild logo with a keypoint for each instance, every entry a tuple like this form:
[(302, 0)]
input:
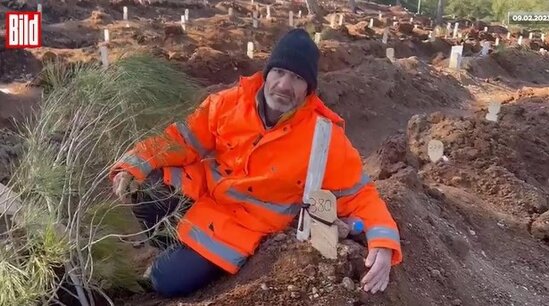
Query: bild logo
[(23, 30)]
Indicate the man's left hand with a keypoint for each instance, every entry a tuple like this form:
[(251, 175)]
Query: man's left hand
[(377, 279)]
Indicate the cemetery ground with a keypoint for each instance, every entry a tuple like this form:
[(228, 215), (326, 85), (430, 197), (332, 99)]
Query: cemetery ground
[(474, 226)]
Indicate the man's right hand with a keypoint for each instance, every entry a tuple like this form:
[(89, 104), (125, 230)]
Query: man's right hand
[(123, 185)]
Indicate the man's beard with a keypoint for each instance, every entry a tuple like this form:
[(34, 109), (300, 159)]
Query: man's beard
[(274, 104)]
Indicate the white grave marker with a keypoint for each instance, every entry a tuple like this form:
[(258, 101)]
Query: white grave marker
[(186, 14), (485, 48), (371, 25), (183, 23), (390, 52), (435, 150), (485, 29), (268, 12), (448, 27), (493, 109), (456, 27), (415, 26), (313, 182), (508, 35), (299, 14), (431, 35), (250, 51), (394, 17), (455, 57), (520, 41), (104, 56), (395, 23), (291, 19), (543, 37), (255, 20), (231, 13), (380, 15), (340, 19), (385, 36), (125, 17), (411, 19), (324, 237), (317, 38), (497, 41), (531, 35), (106, 35)]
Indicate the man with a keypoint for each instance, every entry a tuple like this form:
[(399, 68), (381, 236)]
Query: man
[(242, 158)]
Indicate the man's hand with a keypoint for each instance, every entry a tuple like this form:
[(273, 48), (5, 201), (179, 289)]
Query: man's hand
[(124, 184), (377, 279)]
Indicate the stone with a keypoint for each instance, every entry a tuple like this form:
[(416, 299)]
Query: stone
[(326, 270), (292, 288), (348, 284), (264, 287), (456, 180), (280, 237), (310, 270), (436, 274)]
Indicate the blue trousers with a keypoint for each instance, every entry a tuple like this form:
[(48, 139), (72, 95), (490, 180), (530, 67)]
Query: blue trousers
[(178, 270)]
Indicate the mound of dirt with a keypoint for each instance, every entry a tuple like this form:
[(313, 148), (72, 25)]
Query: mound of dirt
[(380, 96), (524, 65)]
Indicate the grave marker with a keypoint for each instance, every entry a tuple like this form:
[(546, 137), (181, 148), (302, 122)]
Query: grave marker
[(106, 35), (186, 14), (250, 51), (455, 57), (299, 14), (380, 15), (390, 53), (291, 19), (415, 26), (531, 35), (485, 48), (340, 19), (268, 12), (317, 38), (371, 25), (255, 20), (485, 29), (385, 36), (456, 27), (435, 150), (493, 109), (231, 13), (497, 41), (508, 35), (395, 23), (520, 41), (125, 13), (183, 23), (104, 56), (543, 37)]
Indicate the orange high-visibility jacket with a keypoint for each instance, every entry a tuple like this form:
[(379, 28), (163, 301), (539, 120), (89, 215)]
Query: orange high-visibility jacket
[(247, 182)]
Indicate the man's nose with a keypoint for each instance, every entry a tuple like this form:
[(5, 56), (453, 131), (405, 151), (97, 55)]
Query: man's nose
[(285, 82)]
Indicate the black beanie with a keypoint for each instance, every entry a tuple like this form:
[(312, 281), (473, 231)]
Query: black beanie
[(297, 52)]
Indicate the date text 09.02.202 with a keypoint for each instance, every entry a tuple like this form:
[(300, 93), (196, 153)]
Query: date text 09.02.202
[(529, 17)]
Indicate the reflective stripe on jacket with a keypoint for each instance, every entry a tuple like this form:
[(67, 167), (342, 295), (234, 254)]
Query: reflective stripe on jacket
[(247, 181)]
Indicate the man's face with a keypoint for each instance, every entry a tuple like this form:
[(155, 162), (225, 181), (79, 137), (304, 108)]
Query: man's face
[(284, 90)]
